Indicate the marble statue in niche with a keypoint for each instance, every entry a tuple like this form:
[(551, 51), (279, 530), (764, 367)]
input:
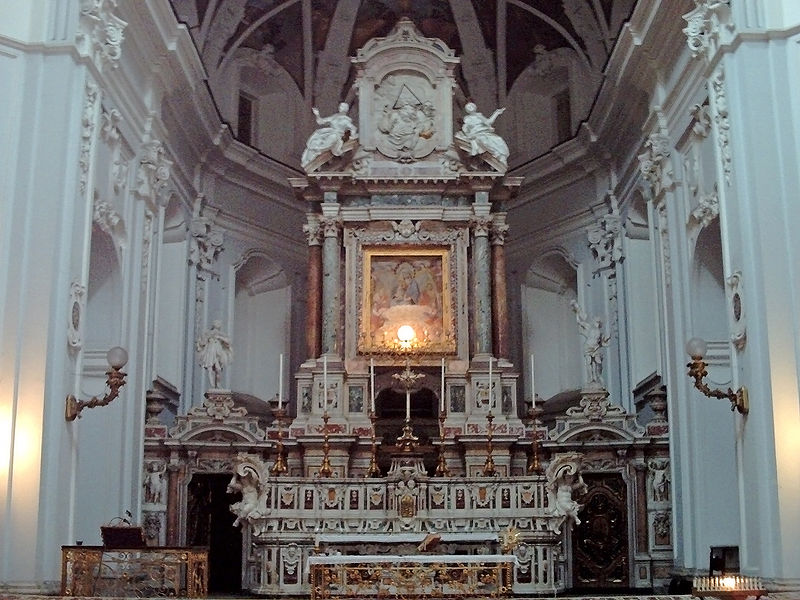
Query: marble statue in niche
[(155, 485), (595, 339), (214, 351)]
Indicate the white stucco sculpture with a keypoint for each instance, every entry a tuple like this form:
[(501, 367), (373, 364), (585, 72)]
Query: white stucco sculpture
[(155, 485), (249, 472), (595, 340), (477, 135), (563, 478), (214, 352), (333, 132)]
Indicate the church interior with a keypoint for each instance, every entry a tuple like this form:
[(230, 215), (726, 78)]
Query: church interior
[(399, 299)]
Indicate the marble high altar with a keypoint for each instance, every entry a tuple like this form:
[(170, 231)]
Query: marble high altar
[(408, 425), (405, 290)]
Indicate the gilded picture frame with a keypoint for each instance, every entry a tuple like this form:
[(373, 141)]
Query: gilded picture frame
[(406, 286)]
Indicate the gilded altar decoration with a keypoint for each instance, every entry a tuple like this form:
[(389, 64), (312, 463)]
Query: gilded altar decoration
[(415, 576), (135, 572), (406, 288)]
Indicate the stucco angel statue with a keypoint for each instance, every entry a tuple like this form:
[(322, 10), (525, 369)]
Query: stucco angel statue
[(564, 478), (477, 133), (331, 136)]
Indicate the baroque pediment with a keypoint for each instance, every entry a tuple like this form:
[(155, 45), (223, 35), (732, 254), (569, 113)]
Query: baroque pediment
[(405, 84)]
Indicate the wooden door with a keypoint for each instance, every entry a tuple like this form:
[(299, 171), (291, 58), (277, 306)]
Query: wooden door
[(600, 542)]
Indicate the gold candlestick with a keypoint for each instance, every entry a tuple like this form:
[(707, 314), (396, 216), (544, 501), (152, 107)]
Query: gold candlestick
[(408, 378), (534, 466), (488, 466), (373, 470), (325, 469), (441, 465), (280, 463), (407, 441)]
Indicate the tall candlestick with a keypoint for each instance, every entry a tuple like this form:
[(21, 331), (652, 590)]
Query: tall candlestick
[(325, 382), (372, 384), (408, 405), (441, 404), (280, 381), (533, 387)]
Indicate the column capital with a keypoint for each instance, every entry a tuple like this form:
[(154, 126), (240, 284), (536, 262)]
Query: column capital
[(499, 229), (313, 229), (481, 225), (331, 226)]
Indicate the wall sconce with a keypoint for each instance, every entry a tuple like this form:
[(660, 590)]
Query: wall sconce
[(696, 348), (117, 357)]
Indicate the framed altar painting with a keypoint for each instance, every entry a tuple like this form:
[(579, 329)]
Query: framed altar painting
[(406, 287)]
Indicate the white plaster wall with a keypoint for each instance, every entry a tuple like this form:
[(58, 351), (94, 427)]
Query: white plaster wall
[(641, 309), (261, 326), (759, 216), (40, 138), (170, 342), (552, 335)]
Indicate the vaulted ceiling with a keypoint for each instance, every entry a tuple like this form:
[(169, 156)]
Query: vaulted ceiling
[(503, 44)]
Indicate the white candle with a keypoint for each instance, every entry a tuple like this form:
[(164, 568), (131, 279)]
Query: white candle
[(325, 382), (372, 384), (408, 405), (533, 387), (280, 381), (441, 404), (491, 360)]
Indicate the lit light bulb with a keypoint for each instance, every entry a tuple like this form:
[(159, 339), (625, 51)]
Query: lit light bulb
[(406, 333)]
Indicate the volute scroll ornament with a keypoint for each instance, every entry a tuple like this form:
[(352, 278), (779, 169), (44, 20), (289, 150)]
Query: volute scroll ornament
[(564, 478), (249, 475), (101, 31)]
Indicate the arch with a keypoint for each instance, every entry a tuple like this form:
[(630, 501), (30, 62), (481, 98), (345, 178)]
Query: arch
[(279, 109), (555, 25), (555, 270), (250, 29), (202, 433), (261, 325), (709, 315), (549, 327), (176, 220), (612, 433), (103, 324)]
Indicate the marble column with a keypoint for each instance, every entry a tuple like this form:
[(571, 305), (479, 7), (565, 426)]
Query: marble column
[(313, 231), (174, 472), (500, 337), (483, 285), (331, 269)]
